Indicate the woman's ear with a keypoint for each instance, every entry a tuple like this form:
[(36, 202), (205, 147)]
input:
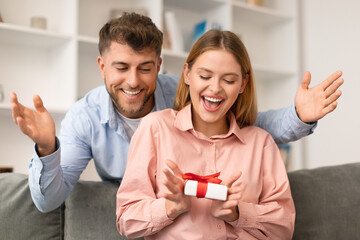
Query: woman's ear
[(186, 73), (243, 85)]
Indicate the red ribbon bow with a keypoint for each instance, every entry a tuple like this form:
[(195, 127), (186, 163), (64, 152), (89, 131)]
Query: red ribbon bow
[(202, 182)]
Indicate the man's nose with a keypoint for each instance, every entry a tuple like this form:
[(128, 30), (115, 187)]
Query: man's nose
[(133, 78)]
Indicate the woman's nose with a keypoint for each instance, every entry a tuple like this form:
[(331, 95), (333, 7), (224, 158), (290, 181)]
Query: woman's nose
[(215, 85)]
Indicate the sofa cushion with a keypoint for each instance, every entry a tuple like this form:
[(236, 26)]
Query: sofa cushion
[(19, 218), (90, 211), (327, 202)]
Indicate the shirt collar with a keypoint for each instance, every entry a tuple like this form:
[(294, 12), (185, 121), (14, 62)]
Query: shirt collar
[(160, 103), (109, 114), (107, 107), (183, 122)]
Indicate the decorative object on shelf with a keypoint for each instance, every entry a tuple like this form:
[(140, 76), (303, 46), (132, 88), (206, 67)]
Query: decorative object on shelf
[(285, 151), (259, 3), (38, 22), (6, 169), (166, 40), (1, 20), (240, 1), (202, 27), (117, 12), (2, 94), (174, 32)]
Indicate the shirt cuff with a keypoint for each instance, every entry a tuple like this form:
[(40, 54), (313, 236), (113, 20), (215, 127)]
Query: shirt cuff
[(247, 217), (51, 161), (41, 165), (158, 214), (300, 126)]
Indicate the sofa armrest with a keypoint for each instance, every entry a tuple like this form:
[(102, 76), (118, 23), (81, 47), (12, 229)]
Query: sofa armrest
[(19, 218), (327, 202), (90, 211)]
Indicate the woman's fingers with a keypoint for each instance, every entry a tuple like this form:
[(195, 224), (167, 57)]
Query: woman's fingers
[(229, 182), (172, 165)]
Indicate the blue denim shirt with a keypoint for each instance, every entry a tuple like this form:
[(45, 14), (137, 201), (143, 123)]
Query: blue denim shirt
[(92, 130)]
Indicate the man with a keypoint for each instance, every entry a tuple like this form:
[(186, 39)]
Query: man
[(100, 125)]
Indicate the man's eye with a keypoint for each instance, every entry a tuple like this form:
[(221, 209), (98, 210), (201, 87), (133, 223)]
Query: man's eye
[(122, 69), (204, 77), (145, 69)]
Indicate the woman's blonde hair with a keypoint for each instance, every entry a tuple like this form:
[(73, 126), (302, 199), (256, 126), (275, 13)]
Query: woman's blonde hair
[(245, 106)]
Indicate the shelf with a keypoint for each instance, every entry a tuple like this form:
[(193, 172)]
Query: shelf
[(87, 39), (26, 36), (199, 5), (264, 73), (5, 110), (88, 45), (259, 15), (169, 53)]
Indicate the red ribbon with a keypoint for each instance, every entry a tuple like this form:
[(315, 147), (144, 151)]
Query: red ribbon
[(202, 182)]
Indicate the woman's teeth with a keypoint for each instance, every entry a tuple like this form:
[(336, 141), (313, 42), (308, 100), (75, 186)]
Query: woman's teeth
[(215, 100), (131, 93)]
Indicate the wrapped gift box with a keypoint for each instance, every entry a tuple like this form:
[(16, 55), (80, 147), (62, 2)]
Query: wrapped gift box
[(211, 190)]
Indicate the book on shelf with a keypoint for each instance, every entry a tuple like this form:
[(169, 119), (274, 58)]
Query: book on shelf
[(202, 27), (173, 38), (258, 3)]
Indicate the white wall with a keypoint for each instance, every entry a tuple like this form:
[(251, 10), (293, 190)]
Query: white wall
[(331, 41)]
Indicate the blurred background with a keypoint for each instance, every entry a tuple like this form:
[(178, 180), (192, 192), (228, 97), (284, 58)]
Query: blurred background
[(49, 48)]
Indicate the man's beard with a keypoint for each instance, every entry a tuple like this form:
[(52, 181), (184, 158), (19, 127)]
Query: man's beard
[(122, 109)]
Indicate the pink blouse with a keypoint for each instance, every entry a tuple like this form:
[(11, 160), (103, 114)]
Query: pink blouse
[(266, 207)]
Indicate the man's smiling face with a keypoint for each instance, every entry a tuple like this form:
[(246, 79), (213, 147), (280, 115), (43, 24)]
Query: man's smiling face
[(130, 78)]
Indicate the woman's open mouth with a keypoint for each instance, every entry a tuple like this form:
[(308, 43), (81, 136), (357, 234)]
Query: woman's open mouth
[(212, 104)]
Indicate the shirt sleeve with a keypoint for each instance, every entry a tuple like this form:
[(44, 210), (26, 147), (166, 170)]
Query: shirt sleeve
[(284, 124), (273, 217), (139, 212), (52, 178)]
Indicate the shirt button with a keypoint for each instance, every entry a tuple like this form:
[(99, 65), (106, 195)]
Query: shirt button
[(219, 226), (41, 187)]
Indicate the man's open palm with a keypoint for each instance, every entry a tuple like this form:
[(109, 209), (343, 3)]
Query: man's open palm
[(38, 124), (314, 103)]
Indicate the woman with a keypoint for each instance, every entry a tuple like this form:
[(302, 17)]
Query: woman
[(209, 131)]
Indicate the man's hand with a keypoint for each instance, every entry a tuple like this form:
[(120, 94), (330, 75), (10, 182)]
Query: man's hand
[(176, 201), (314, 103), (226, 210), (37, 125)]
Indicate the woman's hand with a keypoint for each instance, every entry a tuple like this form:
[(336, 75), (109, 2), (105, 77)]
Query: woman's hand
[(176, 202), (227, 210)]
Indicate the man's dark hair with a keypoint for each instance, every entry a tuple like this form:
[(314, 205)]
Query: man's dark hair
[(132, 29)]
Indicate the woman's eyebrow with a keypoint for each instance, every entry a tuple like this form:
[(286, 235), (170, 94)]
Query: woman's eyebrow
[(225, 74)]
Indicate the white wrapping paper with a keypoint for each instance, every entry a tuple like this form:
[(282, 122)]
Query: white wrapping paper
[(214, 191)]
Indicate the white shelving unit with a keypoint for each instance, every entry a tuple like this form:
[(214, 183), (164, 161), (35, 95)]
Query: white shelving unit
[(59, 63)]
